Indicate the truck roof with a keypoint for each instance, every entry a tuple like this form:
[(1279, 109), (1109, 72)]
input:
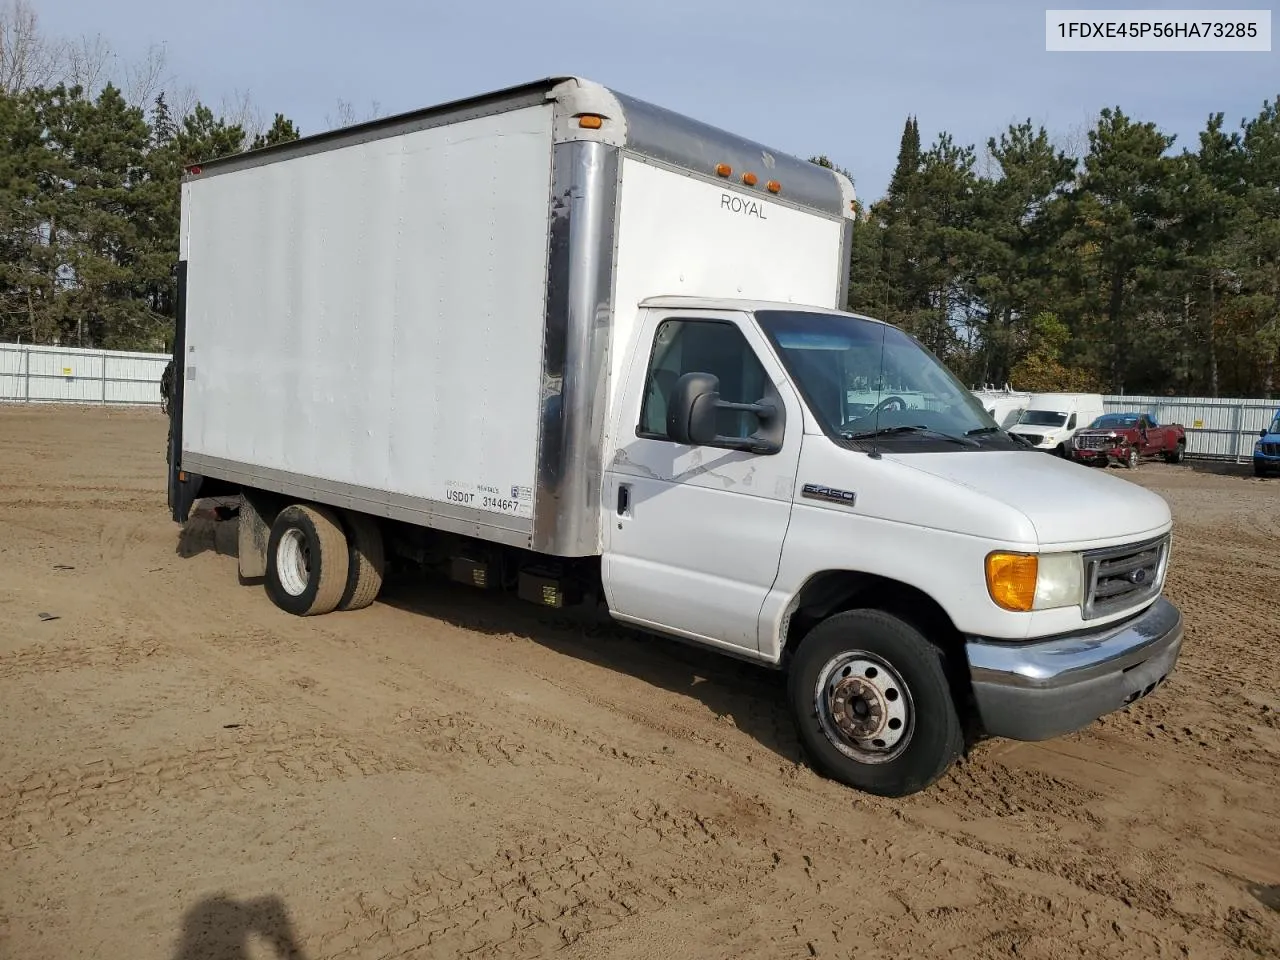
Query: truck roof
[(640, 128), (678, 302)]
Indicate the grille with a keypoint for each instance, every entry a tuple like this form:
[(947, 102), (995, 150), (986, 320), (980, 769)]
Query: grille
[(1119, 578), (1095, 442), (1271, 449), (1033, 438)]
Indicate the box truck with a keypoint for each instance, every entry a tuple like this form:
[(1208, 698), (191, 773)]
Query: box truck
[(558, 341)]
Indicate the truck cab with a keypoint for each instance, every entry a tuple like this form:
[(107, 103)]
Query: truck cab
[(1051, 419), (758, 504), (1266, 451)]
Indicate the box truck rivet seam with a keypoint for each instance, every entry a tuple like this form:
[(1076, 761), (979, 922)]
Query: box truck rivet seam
[(599, 372)]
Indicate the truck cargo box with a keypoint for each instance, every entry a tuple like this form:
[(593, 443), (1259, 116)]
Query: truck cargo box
[(423, 317)]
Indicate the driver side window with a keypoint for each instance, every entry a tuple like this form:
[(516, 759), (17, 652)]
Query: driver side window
[(1071, 424), (716, 347)]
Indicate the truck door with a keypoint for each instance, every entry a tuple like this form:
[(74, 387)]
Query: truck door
[(693, 534)]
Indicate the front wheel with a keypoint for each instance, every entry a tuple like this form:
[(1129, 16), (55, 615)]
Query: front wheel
[(1131, 459), (872, 704), (1259, 470)]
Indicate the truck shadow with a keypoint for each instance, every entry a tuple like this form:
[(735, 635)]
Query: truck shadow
[(752, 697), (221, 928)]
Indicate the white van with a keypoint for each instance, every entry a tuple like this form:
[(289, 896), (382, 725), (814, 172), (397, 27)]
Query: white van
[(1005, 406), (1051, 419)]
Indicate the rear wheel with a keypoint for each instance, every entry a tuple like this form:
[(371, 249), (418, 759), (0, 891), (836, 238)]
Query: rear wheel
[(872, 704), (365, 562), (1175, 455), (307, 560)]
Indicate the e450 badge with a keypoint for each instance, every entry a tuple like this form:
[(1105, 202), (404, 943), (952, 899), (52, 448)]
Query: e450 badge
[(816, 491)]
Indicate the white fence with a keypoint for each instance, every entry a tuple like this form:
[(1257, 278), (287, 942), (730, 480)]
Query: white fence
[(37, 374), (1220, 429)]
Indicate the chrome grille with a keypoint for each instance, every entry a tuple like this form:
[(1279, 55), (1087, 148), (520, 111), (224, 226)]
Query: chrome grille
[(1093, 442), (1124, 577)]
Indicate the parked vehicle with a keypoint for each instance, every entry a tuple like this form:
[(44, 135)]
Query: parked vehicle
[(1128, 438), (557, 341), (1266, 452), (1051, 419), (1005, 406)]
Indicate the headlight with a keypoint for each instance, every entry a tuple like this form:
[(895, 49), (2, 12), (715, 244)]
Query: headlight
[(1028, 581)]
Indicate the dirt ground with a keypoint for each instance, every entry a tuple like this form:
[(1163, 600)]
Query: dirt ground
[(187, 772)]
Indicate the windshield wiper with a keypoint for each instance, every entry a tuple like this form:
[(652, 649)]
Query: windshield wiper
[(917, 429), (981, 430)]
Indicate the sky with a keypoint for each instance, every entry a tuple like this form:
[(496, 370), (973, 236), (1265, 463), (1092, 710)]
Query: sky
[(837, 77)]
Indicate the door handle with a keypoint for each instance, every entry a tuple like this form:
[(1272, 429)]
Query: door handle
[(624, 498)]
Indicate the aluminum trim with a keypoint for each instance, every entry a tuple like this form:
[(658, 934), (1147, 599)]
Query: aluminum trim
[(576, 340), (691, 144), (380, 503), (1062, 661), (470, 108), (845, 267)]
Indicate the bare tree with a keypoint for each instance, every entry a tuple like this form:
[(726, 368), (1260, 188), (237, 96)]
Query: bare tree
[(346, 114), (26, 58), (240, 110), (146, 78), (87, 63)]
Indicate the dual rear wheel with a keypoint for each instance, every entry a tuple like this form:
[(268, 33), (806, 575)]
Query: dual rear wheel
[(320, 560)]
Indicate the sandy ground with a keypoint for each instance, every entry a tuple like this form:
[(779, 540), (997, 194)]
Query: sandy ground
[(188, 773)]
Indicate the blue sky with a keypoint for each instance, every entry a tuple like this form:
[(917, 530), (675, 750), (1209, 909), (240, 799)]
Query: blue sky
[(802, 76)]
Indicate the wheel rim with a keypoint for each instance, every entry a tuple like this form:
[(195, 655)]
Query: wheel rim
[(1133, 457), (864, 707), (293, 562)]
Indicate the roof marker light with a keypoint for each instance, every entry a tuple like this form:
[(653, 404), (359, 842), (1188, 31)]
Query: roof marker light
[(723, 169), (773, 186), (749, 179)]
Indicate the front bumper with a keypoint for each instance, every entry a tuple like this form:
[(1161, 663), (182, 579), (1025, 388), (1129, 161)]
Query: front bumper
[(1039, 689), (1094, 454)]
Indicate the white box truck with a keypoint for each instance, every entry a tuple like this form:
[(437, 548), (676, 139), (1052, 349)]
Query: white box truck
[(558, 341)]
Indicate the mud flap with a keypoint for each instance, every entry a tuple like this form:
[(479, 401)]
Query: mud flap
[(256, 514)]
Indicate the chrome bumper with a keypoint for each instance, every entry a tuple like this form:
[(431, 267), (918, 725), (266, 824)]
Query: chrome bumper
[(1038, 689)]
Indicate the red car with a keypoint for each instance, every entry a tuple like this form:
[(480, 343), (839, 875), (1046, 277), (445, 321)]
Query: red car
[(1127, 438)]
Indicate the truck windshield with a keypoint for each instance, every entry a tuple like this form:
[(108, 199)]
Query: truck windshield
[(871, 382), (1043, 418)]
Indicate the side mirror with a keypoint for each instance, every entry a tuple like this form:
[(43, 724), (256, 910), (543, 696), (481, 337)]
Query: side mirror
[(691, 416), (1262, 432)]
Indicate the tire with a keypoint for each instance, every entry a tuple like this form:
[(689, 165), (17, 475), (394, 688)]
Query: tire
[(903, 678), (1176, 455), (307, 561), (1259, 470), (1131, 459), (366, 562)]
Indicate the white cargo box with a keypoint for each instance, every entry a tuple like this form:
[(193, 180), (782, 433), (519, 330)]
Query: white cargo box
[(423, 317)]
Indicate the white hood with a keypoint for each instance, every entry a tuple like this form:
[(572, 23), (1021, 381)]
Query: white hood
[(1067, 503)]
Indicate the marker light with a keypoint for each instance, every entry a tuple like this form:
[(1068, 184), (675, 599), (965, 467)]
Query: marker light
[(1023, 582), (590, 121), (1011, 580), (749, 179), (723, 169), (773, 186)]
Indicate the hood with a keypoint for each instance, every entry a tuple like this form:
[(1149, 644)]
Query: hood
[(1068, 504)]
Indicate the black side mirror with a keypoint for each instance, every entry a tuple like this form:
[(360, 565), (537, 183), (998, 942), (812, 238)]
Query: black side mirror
[(1262, 432), (691, 417)]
